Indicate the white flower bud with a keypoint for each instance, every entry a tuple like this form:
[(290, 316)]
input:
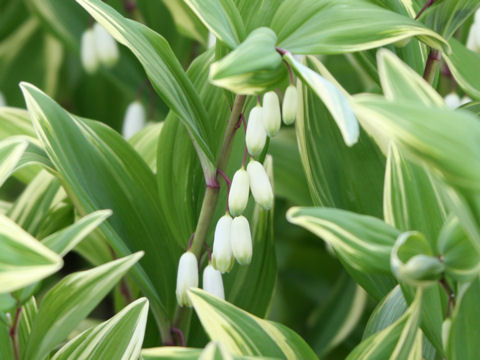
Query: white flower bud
[(452, 100), (272, 119), (290, 105), (256, 135), (106, 45), (241, 240), (187, 277), (212, 282), (3, 102), (473, 40), (260, 184), (239, 191), (134, 119), (90, 60), (222, 258)]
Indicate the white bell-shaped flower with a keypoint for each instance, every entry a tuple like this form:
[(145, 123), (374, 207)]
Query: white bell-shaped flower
[(106, 46), (3, 102), (187, 277), (290, 105), (272, 119), (241, 240), (134, 119), (222, 258), (212, 282), (88, 52), (260, 184), (256, 135), (239, 191), (452, 100)]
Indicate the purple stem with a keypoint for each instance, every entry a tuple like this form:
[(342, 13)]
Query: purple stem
[(179, 333), (427, 5)]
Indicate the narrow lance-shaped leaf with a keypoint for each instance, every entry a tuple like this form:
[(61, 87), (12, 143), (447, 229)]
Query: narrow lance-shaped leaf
[(11, 151)]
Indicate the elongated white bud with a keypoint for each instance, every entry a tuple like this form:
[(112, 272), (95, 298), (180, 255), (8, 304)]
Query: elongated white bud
[(106, 46), (134, 119), (241, 240), (290, 105), (90, 60), (222, 258), (260, 184), (256, 135), (452, 100), (187, 277), (3, 102), (239, 191), (272, 119), (212, 282)]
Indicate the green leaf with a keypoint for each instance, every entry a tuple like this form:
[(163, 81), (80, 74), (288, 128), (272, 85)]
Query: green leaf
[(364, 242), (334, 100), (171, 353), (222, 18), (65, 240), (23, 260), (186, 21), (11, 151), (463, 64), (145, 143), (27, 317), (15, 121), (253, 67), (397, 341), (100, 170), (336, 174), (120, 337), (448, 16), (338, 26), (70, 301), (6, 351), (165, 72), (465, 324), (244, 334)]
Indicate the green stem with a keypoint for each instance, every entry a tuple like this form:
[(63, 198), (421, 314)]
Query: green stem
[(210, 199), (13, 334), (431, 66)]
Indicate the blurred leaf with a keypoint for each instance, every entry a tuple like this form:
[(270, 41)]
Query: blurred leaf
[(65, 240), (463, 64), (171, 353), (448, 16), (101, 171), (11, 151), (222, 18), (362, 241), (6, 351), (23, 260), (186, 21), (27, 317), (145, 143), (245, 334), (15, 121), (338, 26), (165, 72), (70, 301), (465, 324), (397, 341), (120, 337)]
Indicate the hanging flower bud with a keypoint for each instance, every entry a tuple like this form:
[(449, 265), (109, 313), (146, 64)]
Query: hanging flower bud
[(187, 277), (3, 102), (134, 119), (239, 191), (473, 40), (271, 113), (106, 46), (290, 105), (90, 60), (452, 100), (241, 240), (260, 184), (256, 135), (212, 282), (222, 258)]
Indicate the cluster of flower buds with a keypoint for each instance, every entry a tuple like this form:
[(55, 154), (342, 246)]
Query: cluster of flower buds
[(98, 47), (473, 41), (134, 120), (454, 101)]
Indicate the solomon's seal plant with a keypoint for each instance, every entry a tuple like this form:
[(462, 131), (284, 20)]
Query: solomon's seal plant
[(353, 124)]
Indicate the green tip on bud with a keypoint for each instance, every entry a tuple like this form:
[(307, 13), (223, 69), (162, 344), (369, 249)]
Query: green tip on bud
[(260, 184), (290, 105), (272, 119), (88, 52), (106, 47), (212, 282), (239, 191), (241, 240), (187, 277), (256, 135), (222, 258)]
